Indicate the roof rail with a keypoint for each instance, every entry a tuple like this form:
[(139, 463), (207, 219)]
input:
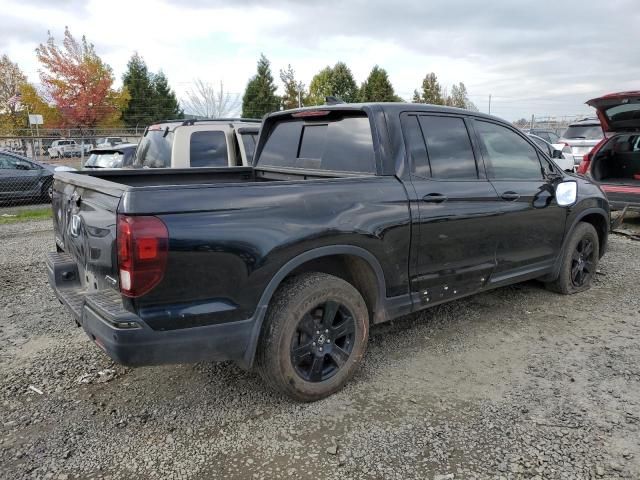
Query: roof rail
[(192, 121)]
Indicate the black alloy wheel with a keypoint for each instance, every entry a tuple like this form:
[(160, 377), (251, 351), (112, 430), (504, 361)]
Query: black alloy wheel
[(582, 263), (323, 341)]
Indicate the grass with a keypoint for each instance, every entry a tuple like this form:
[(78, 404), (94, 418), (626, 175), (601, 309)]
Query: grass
[(41, 213)]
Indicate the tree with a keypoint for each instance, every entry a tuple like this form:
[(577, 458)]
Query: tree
[(11, 79), (460, 99), (260, 95), (521, 123), (294, 95), (138, 82), (337, 81), (431, 90), (165, 102), (31, 100), (205, 100), (344, 85), (79, 82), (377, 87), (417, 98)]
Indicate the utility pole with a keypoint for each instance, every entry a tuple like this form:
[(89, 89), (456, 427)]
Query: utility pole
[(489, 104), (532, 121)]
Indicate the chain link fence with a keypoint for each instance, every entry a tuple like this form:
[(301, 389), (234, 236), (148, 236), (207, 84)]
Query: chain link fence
[(28, 160)]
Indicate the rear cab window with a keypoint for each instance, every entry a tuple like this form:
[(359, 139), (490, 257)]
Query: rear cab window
[(208, 149), (334, 140)]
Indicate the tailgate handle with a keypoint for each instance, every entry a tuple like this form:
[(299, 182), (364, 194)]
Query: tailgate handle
[(434, 198), (511, 196)]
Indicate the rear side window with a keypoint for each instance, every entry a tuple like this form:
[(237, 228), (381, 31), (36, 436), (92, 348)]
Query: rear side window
[(342, 143), (448, 148), (249, 142), (507, 154), (154, 150), (208, 149)]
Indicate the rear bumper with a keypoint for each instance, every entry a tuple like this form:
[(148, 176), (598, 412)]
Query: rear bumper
[(102, 316)]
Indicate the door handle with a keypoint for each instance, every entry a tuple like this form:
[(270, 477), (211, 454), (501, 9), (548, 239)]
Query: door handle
[(434, 198), (511, 196)]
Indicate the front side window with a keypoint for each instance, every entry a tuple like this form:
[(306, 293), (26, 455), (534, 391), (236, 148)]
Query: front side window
[(544, 146), (508, 156), (7, 163), (448, 148), (208, 149)]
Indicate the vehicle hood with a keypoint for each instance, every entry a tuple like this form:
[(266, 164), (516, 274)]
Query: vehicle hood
[(618, 112)]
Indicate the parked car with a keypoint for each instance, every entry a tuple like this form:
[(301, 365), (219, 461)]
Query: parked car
[(352, 215), (614, 163), (23, 179), (120, 156), (108, 141), (198, 143), (560, 153), (582, 136), (547, 135), (68, 148)]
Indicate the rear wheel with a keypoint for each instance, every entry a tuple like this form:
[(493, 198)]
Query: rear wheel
[(314, 337), (579, 261)]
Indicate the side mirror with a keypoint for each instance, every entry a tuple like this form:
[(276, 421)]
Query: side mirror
[(556, 154), (566, 193)]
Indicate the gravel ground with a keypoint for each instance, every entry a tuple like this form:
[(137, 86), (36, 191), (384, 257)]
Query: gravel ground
[(515, 383)]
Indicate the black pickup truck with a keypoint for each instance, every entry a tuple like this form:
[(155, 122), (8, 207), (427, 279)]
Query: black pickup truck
[(352, 215)]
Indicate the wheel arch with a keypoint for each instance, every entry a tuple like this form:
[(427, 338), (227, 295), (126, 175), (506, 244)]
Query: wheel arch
[(354, 264), (599, 218)]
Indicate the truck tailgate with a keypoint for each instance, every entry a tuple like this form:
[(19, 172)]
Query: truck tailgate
[(84, 217)]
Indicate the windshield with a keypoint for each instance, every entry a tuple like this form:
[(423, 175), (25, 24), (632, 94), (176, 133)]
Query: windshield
[(587, 132), (105, 160), (154, 150)]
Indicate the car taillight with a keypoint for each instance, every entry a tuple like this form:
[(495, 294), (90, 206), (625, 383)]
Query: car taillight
[(583, 168), (143, 243)]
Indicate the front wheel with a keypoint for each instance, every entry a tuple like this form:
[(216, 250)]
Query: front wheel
[(314, 337), (579, 261)]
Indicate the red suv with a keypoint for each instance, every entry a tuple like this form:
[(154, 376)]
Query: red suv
[(614, 163)]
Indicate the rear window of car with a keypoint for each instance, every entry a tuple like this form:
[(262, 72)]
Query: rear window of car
[(154, 150), (586, 132), (105, 160), (340, 142), (208, 149)]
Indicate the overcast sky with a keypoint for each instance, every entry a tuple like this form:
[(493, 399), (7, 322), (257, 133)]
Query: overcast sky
[(544, 58)]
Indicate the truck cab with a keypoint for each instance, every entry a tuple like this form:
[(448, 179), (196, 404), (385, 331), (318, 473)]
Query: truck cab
[(198, 143)]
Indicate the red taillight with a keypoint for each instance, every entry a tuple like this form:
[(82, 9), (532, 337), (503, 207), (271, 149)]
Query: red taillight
[(584, 164), (583, 168), (142, 253)]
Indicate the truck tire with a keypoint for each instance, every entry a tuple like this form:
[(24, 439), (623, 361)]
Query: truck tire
[(314, 336), (579, 261)]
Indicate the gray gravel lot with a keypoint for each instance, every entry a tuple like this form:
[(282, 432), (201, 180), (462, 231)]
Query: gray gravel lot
[(514, 383)]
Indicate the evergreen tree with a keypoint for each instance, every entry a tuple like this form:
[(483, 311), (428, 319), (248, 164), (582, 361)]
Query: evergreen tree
[(334, 81), (343, 83), (431, 90), (417, 98), (293, 90), (137, 80), (377, 87), (165, 103), (321, 86), (260, 95)]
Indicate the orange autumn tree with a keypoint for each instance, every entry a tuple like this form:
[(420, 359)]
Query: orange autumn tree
[(79, 83)]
